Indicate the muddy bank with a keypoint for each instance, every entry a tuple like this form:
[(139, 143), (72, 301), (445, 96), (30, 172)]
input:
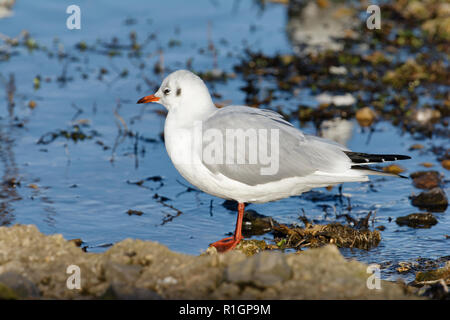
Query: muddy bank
[(34, 266)]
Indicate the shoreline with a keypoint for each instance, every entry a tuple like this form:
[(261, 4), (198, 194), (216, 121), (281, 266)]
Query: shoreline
[(35, 266)]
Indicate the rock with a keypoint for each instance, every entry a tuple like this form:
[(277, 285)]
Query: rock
[(427, 164), (404, 267), (446, 164), (32, 104), (439, 28), (121, 273), (7, 293), (408, 72), (434, 200), (417, 220), (376, 57), (22, 286), (118, 291), (255, 223), (135, 269), (230, 205), (426, 179), (394, 168), (263, 270), (434, 284), (416, 146), (365, 116), (434, 275), (287, 59), (436, 291), (132, 212), (78, 242), (285, 2), (417, 10)]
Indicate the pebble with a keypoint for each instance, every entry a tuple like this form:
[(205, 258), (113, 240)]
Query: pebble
[(446, 164), (416, 146), (394, 168), (32, 104), (365, 116), (427, 164)]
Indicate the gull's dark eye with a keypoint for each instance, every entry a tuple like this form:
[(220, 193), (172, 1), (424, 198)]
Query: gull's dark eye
[(166, 91)]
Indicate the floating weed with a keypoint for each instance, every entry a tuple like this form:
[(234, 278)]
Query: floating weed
[(334, 233), (75, 133)]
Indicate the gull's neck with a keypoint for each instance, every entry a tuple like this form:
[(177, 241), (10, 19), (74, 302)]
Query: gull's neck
[(186, 116), (180, 130)]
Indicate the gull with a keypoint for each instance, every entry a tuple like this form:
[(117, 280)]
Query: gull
[(247, 154)]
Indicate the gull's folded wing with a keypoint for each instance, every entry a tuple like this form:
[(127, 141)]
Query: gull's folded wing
[(298, 155)]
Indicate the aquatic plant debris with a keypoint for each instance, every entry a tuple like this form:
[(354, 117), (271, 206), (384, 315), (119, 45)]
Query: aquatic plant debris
[(335, 233), (75, 134)]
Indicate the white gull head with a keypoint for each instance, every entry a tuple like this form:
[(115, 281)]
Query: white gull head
[(182, 91)]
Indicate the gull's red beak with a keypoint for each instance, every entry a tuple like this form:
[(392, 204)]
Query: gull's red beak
[(147, 99)]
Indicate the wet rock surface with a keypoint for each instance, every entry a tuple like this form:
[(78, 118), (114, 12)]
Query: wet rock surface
[(426, 179), (255, 223), (434, 283), (417, 220), (33, 265), (434, 200)]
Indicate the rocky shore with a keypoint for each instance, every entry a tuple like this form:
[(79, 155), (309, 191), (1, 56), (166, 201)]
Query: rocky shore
[(35, 266)]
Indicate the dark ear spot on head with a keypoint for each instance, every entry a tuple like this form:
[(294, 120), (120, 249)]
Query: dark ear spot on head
[(178, 91)]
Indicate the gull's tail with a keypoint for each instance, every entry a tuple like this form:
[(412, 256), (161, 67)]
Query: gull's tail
[(363, 159)]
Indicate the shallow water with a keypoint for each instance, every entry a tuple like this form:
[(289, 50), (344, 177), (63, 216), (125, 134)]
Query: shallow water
[(81, 188)]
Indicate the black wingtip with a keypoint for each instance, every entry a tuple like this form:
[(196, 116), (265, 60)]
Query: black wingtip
[(363, 158)]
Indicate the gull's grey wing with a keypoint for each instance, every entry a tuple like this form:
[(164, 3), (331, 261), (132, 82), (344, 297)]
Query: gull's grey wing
[(298, 154)]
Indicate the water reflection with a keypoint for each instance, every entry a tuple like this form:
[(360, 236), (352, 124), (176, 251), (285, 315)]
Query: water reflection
[(315, 25), (339, 130), (6, 8)]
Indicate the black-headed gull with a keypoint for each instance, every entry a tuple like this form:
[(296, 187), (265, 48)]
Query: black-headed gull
[(248, 154)]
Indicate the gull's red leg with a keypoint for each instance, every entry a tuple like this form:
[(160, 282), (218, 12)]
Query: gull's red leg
[(230, 243)]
